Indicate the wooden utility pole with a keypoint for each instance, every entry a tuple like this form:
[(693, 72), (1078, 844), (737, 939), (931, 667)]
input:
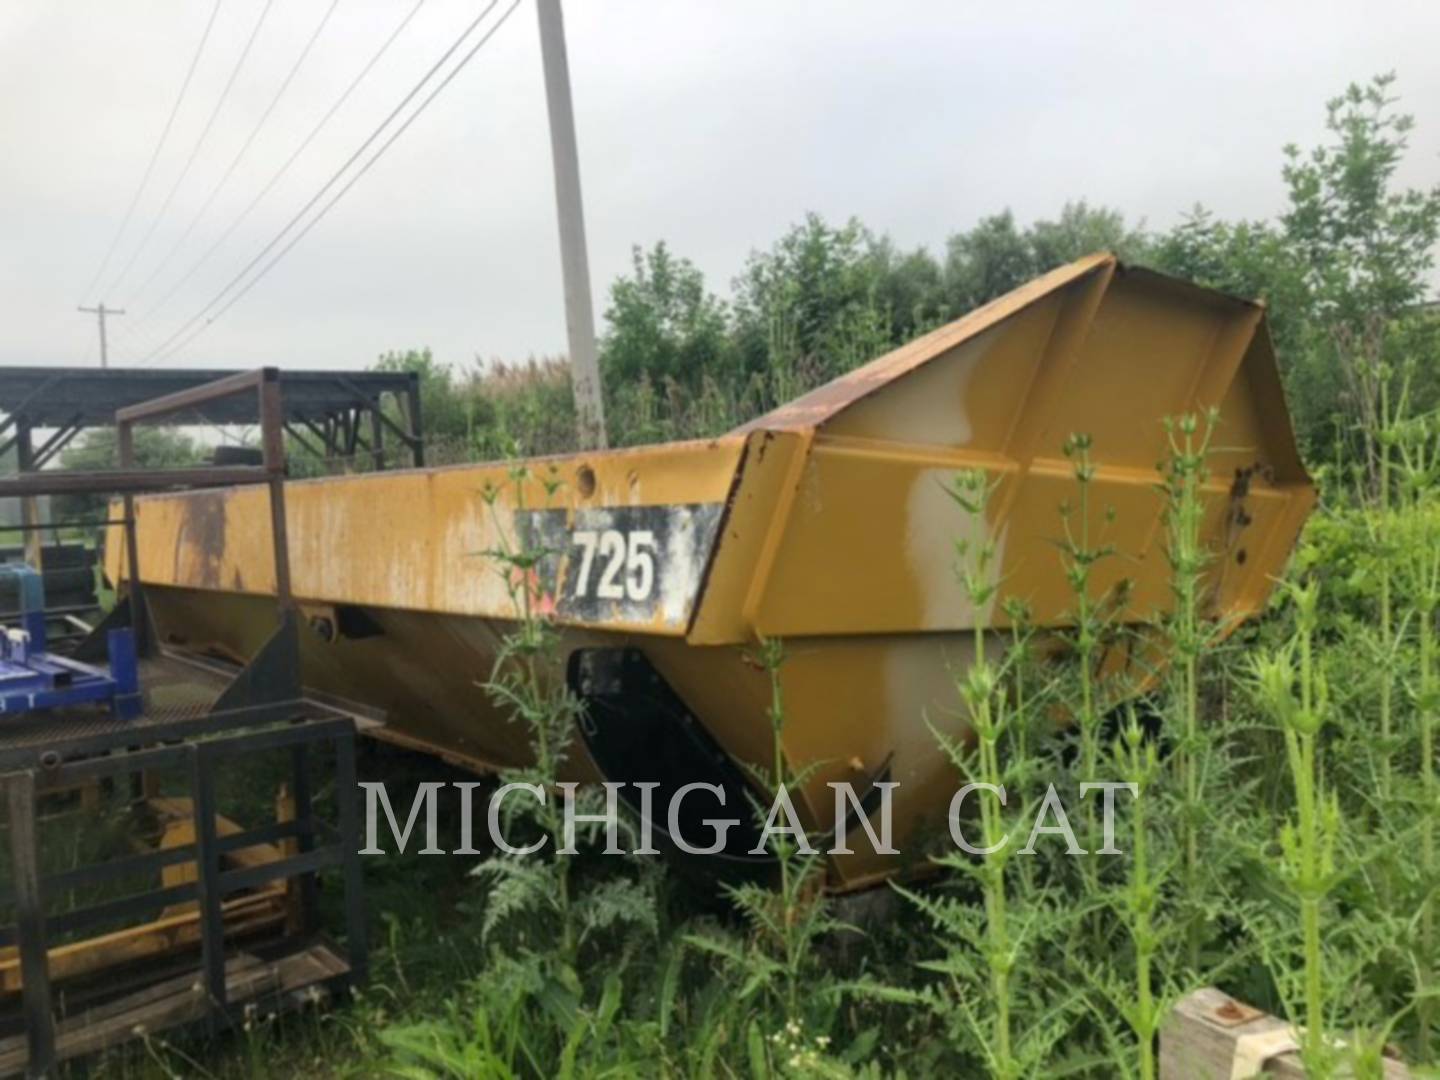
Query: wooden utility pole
[(101, 312), (574, 260)]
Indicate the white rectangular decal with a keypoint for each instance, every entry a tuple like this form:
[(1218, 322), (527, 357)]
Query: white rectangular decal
[(625, 564)]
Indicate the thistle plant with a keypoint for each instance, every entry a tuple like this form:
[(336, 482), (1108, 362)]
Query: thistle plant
[(1390, 427), (986, 945), (797, 913), (778, 966), (1081, 550), (1019, 660), (1189, 633), (1142, 891), (527, 682), (1132, 984), (1419, 571), (982, 695), (1292, 691), (1428, 703), (536, 1009)]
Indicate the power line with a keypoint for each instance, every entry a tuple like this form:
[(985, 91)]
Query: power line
[(244, 148), (131, 340), (195, 150), (348, 184), (359, 151), (280, 173), (155, 153), (168, 347)]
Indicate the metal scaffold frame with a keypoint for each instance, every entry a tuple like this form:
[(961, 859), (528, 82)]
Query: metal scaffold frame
[(261, 708)]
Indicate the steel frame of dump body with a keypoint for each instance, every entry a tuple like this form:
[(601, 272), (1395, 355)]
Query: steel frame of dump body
[(261, 708)]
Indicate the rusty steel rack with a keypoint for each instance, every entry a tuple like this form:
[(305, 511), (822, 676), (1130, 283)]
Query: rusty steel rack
[(94, 1018), (259, 708), (331, 408), (338, 417)]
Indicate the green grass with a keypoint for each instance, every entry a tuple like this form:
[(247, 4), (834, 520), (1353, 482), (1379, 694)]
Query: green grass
[(1263, 855)]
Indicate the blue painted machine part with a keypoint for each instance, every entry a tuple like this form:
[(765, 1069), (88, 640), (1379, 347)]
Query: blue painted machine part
[(33, 679), (32, 602), (125, 671)]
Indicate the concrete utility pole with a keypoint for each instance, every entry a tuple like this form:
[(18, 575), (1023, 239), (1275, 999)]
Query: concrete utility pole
[(574, 261), (101, 312)]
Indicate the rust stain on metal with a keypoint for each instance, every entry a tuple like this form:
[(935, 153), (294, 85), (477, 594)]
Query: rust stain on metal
[(200, 541)]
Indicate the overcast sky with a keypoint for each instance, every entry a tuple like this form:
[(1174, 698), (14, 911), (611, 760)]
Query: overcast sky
[(710, 125)]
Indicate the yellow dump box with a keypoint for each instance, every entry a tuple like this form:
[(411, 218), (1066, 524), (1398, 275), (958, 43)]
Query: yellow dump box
[(824, 523)]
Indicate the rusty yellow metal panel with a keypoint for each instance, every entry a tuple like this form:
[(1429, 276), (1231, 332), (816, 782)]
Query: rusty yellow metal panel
[(823, 522), (417, 540)]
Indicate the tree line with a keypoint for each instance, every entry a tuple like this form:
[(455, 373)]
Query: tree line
[(1345, 267)]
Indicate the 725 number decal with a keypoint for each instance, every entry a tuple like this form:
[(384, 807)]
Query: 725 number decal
[(622, 564)]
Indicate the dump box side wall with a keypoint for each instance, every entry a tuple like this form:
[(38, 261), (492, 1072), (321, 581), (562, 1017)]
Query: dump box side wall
[(421, 540)]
